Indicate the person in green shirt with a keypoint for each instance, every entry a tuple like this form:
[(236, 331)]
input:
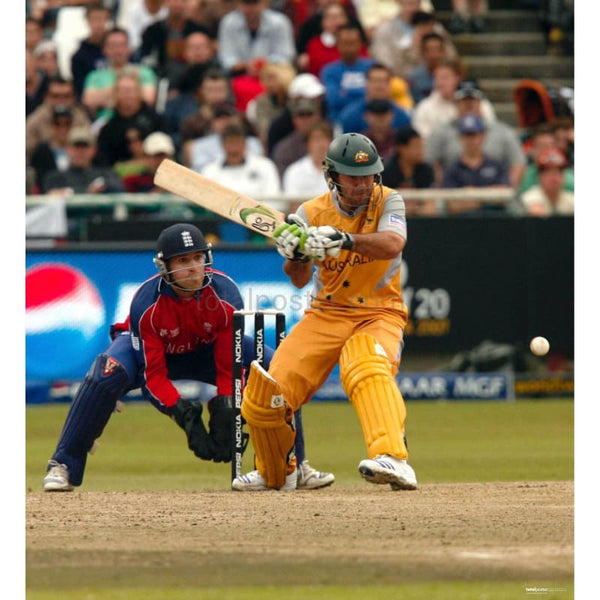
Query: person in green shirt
[(99, 84)]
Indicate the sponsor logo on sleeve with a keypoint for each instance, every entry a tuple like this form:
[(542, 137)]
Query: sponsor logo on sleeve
[(397, 220)]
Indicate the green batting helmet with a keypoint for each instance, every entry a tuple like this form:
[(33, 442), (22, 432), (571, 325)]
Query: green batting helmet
[(352, 154)]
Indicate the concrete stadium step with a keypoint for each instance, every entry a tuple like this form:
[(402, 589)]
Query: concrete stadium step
[(501, 90), (498, 21), (444, 5), (507, 112), (500, 44), (522, 67), (511, 48)]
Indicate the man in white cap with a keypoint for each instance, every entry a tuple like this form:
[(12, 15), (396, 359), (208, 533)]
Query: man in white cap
[(304, 86), (156, 146)]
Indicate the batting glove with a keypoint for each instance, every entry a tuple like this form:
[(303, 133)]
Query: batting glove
[(289, 238), (326, 241)]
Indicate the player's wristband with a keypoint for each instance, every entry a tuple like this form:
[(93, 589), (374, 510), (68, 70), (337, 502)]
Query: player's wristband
[(300, 259), (348, 242)]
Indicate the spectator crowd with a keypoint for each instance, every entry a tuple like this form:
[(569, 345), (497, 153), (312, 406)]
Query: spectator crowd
[(251, 92)]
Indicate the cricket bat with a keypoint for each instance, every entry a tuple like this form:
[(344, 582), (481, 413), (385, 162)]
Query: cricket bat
[(217, 198)]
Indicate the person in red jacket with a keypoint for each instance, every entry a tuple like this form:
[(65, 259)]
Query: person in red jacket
[(179, 327), (322, 49)]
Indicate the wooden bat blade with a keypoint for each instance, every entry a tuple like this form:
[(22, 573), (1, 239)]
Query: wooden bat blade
[(217, 198)]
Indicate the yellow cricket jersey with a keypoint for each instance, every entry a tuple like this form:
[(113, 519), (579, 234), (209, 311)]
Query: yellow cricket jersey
[(352, 280)]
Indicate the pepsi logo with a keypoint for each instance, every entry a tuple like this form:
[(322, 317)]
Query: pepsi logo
[(65, 322)]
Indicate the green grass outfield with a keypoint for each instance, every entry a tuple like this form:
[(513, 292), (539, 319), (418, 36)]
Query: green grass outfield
[(448, 441)]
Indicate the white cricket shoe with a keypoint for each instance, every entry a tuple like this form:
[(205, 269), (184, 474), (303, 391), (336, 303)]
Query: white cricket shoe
[(57, 478), (311, 479), (388, 469), (254, 482)]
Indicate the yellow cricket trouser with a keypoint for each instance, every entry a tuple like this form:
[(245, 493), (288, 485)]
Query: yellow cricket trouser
[(306, 357)]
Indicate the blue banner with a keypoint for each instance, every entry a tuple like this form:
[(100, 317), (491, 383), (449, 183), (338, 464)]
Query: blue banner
[(414, 386), (72, 298)]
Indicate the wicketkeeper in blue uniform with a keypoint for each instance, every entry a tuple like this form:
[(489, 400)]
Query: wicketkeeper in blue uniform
[(179, 327)]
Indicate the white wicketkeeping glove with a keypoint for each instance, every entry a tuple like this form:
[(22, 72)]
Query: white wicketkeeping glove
[(289, 238), (326, 241)]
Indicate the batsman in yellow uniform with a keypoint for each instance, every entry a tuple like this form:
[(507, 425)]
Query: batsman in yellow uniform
[(350, 241)]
